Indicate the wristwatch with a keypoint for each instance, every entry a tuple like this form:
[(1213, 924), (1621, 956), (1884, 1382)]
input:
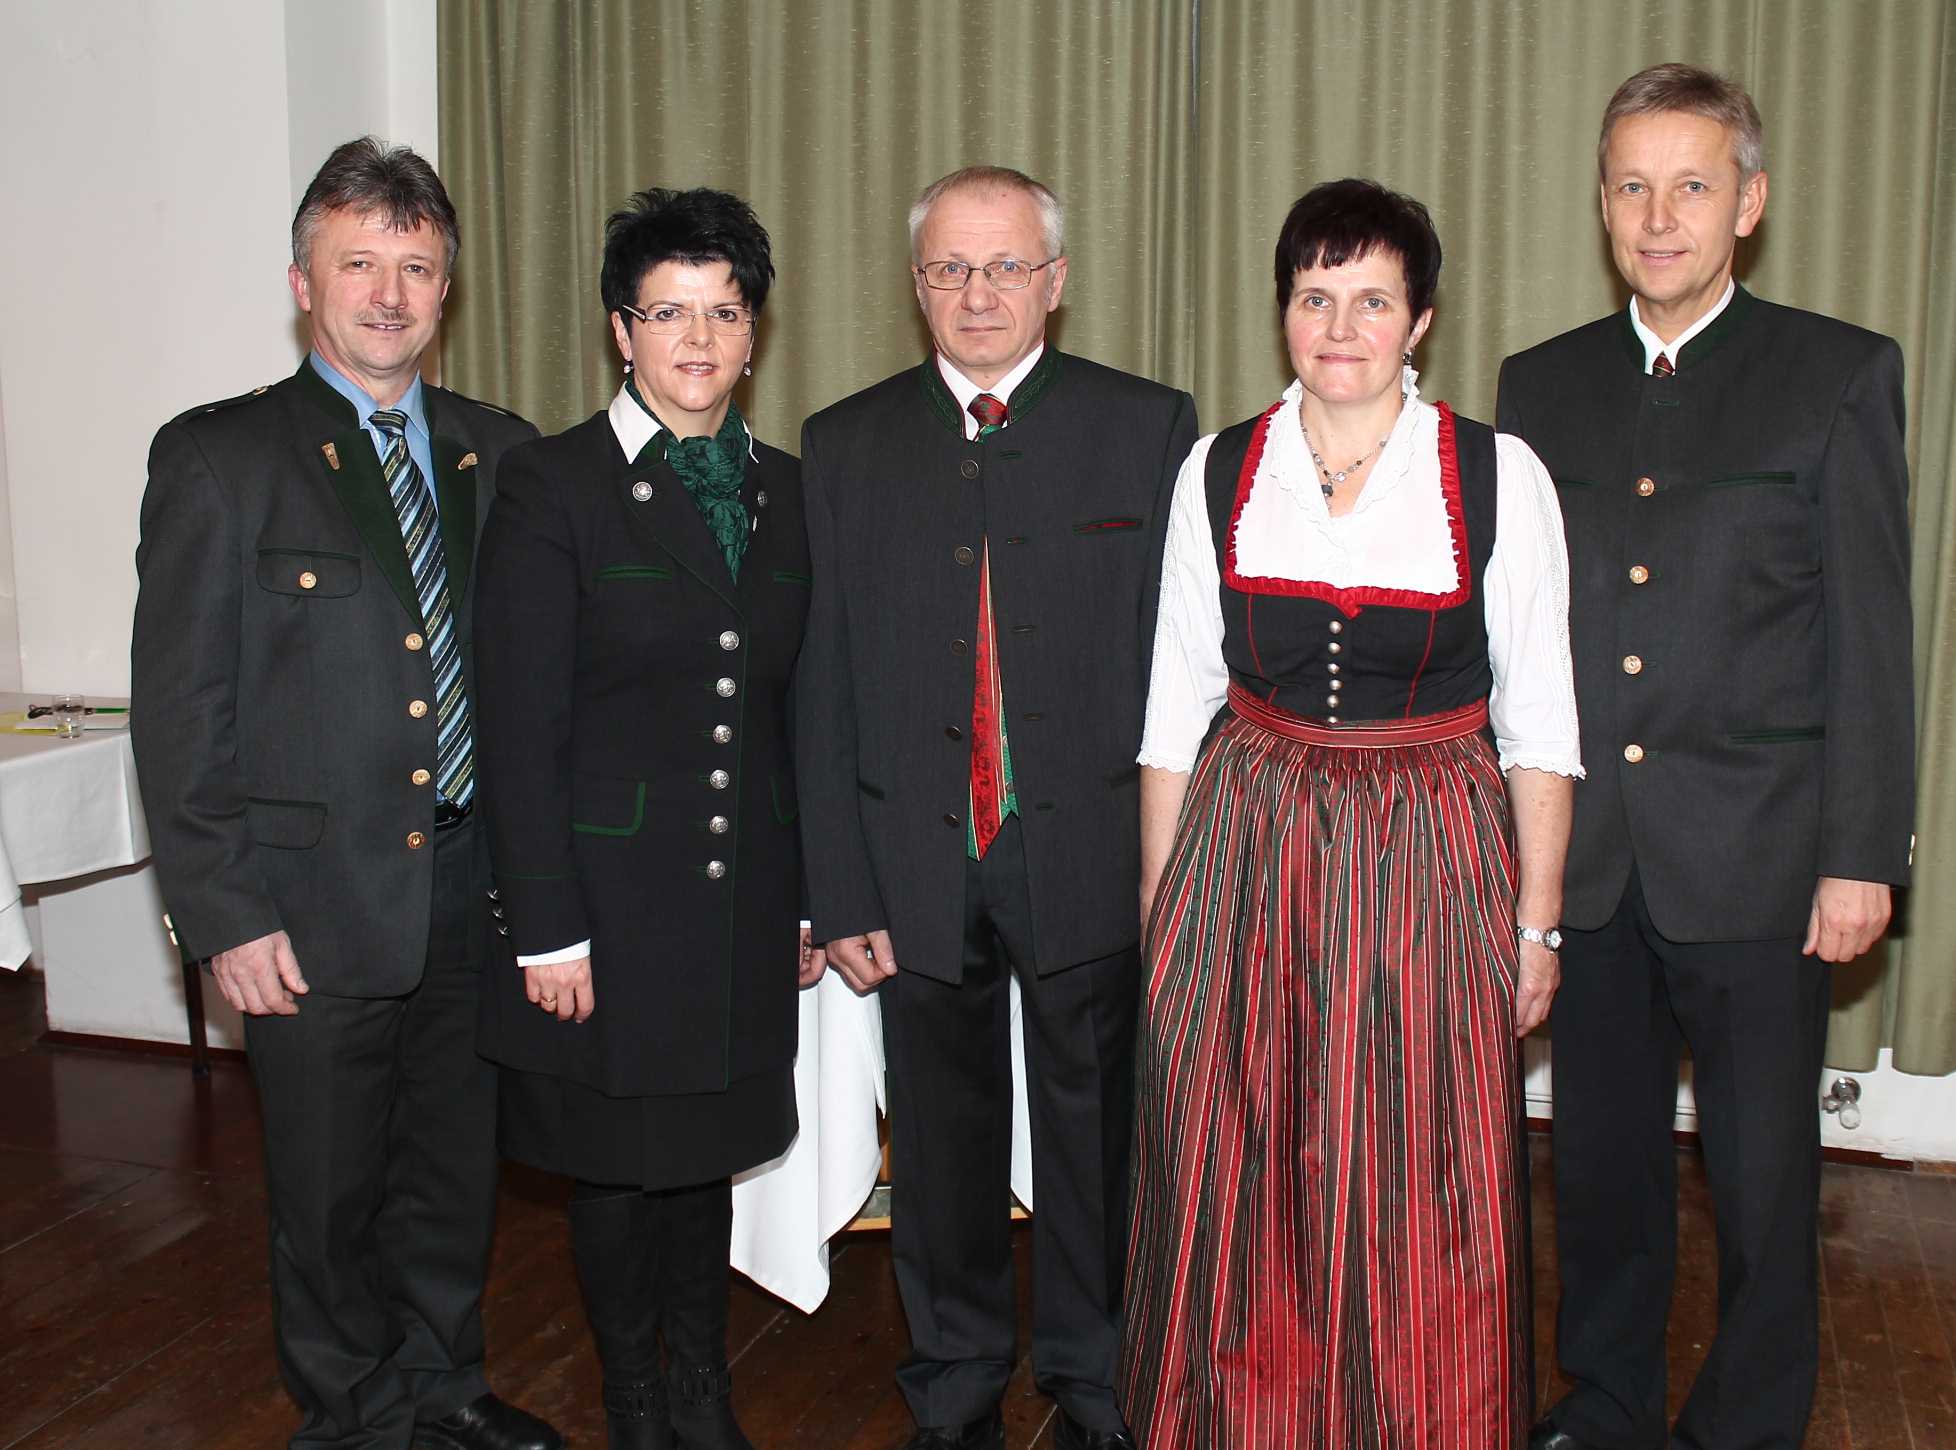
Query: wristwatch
[(1552, 938)]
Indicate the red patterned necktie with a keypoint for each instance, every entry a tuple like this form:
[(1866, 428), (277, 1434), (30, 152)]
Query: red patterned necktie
[(990, 789), (1662, 368)]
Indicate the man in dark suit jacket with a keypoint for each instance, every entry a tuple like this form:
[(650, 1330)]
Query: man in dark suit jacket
[(985, 536), (301, 721), (1733, 489)]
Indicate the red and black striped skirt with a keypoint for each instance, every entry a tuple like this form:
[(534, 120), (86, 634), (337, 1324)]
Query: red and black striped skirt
[(1329, 1243)]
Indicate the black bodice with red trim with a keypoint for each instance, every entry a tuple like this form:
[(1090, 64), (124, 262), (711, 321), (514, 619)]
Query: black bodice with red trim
[(1342, 655)]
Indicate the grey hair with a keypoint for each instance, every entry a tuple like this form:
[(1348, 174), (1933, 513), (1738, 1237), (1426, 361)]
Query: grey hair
[(1052, 216), (368, 178), (1675, 86)]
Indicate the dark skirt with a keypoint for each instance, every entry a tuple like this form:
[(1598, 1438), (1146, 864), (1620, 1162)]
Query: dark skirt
[(669, 1141), (1329, 1244)]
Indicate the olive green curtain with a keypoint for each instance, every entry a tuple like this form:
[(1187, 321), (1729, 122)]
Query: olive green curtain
[(1178, 132)]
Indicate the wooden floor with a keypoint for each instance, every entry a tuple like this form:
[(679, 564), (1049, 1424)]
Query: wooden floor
[(134, 1309)]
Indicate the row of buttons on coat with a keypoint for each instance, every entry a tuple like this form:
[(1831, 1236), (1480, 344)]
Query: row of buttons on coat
[(1634, 664), (717, 779)]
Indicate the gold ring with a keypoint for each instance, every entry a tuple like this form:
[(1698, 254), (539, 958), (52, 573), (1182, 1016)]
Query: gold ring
[(547, 1001)]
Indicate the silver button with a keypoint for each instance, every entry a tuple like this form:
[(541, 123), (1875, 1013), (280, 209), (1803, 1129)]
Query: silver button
[(715, 870), (719, 780), (1331, 701), (729, 640), (722, 734), (1331, 719), (642, 491), (718, 825), (1337, 626), (1333, 667), (760, 499), (724, 688), (1335, 647)]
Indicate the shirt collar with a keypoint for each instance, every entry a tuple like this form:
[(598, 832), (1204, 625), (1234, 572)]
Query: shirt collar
[(1653, 344), (412, 401), (964, 390), (634, 426)]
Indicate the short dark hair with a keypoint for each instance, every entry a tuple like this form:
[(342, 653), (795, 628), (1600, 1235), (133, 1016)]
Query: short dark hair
[(1675, 86), (1336, 222), (367, 177), (702, 225)]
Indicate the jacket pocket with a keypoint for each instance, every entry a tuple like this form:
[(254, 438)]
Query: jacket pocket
[(628, 573), (1574, 483), (1125, 524), (874, 792), (789, 576), (1751, 480), (604, 806), (308, 573), (285, 825), (1792, 735)]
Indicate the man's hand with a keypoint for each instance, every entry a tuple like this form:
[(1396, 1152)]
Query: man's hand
[(1535, 984), (563, 989), (814, 962), (1848, 918), (261, 978), (865, 962)]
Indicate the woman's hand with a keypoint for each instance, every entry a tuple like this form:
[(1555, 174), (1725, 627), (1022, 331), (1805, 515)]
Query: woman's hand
[(1535, 983), (814, 962), (562, 989)]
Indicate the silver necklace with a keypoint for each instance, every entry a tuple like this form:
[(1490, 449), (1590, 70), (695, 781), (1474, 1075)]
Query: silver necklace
[(1332, 480)]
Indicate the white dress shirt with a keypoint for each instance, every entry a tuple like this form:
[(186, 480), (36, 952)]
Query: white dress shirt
[(1653, 344), (1395, 537)]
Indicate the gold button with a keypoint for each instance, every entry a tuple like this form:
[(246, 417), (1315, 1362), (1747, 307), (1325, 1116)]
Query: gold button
[(416, 840), (1633, 752), (1646, 486), (414, 641), (421, 777), (1633, 664), (417, 708), (1639, 574), (308, 579)]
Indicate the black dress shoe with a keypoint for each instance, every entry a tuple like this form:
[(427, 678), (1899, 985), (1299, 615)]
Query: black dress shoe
[(487, 1423), (1070, 1434), (1545, 1436), (985, 1433)]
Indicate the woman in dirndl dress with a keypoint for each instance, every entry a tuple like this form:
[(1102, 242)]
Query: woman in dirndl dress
[(1350, 889)]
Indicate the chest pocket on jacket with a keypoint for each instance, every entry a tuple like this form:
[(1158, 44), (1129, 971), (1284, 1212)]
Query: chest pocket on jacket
[(308, 573)]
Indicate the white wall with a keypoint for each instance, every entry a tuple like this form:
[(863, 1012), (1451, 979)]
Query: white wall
[(154, 152)]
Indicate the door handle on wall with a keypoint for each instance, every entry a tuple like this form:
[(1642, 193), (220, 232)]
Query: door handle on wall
[(1843, 1099)]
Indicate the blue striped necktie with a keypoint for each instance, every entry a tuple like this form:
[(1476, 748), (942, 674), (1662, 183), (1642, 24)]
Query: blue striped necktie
[(414, 507)]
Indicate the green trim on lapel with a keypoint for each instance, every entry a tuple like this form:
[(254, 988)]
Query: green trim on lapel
[(1723, 326), (455, 498), (938, 396), (1031, 389)]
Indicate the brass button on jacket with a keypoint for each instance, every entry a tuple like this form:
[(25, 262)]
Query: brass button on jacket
[(1639, 574), (416, 840), (417, 708), (1633, 665), (308, 580), (414, 641), (1633, 752), (420, 777), (1646, 487)]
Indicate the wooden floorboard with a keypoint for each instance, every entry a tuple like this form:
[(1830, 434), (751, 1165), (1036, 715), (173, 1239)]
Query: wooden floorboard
[(134, 1308)]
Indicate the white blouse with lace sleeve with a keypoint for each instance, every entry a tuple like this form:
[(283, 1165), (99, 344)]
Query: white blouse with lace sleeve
[(1395, 537)]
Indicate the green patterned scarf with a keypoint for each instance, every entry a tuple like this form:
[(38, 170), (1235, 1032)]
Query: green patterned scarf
[(712, 470)]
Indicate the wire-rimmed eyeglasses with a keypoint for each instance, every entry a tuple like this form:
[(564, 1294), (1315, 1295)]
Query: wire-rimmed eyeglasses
[(666, 320), (1008, 274)]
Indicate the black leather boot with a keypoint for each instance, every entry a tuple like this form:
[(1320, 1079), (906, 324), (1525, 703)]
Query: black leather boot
[(695, 1234), (612, 1240)]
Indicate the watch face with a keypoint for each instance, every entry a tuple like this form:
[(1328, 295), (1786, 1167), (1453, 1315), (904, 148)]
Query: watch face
[(1553, 941)]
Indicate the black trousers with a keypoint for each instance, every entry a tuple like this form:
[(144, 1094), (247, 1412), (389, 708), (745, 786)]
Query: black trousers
[(949, 1054), (380, 1171), (1754, 1014)]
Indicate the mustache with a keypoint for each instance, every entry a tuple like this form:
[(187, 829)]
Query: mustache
[(382, 314)]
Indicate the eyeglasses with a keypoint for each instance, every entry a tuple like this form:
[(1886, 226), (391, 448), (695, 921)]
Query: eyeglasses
[(1007, 275), (664, 320)]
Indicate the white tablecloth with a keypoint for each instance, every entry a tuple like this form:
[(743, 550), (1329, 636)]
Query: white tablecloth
[(786, 1211), (67, 807)]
